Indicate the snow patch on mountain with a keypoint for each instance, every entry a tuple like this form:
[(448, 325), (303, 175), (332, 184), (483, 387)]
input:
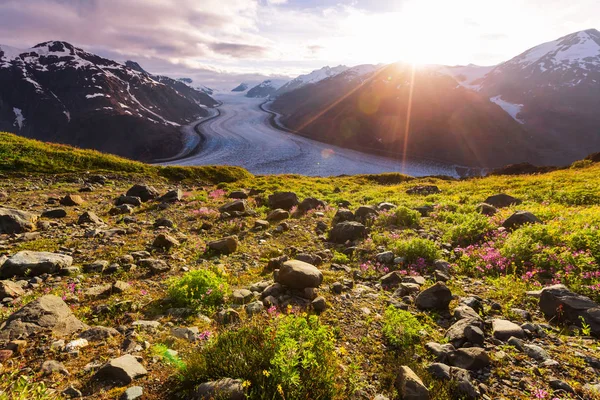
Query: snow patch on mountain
[(468, 76), (512, 109), (19, 119)]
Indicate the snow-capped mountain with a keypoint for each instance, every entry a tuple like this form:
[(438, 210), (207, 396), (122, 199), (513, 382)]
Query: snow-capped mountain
[(310, 78), (266, 88), (242, 87), (58, 92)]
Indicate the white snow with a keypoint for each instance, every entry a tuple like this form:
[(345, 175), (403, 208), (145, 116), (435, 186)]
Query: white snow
[(19, 119), (94, 95), (467, 75), (512, 109)]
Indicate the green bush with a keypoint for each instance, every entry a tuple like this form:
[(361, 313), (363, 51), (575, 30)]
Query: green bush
[(200, 289), (415, 248), (400, 216), (401, 328), (293, 358), (581, 164), (465, 229), (340, 258), (522, 244)]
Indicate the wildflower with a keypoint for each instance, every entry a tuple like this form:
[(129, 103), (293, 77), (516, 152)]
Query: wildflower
[(143, 292), (540, 394), (204, 335), (246, 384), (266, 373)]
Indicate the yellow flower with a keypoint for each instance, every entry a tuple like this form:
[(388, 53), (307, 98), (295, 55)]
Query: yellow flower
[(280, 389), (246, 384), (266, 373)]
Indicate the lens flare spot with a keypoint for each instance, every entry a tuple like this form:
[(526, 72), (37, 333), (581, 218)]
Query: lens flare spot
[(368, 103), (326, 153)]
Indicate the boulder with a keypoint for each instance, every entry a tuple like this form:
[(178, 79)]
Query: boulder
[(34, 263), (503, 330), (436, 297), (561, 305), (285, 200), (71, 200), (424, 190), (238, 194), (132, 393), (165, 242), (410, 386), (89, 217), (472, 358), (236, 205), (502, 200), (310, 203), (242, 296), (54, 213), (366, 212), (297, 274), (226, 245), (123, 209), (486, 209), (347, 231), (122, 370), (278, 215), (10, 289), (144, 192), (225, 389), (519, 219), (130, 200), (462, 331), (48, 312), (16, 221), (155, 266), (343, 215), (172, 196)]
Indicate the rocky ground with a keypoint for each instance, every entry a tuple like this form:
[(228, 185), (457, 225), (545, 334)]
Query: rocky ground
[(89, 259)]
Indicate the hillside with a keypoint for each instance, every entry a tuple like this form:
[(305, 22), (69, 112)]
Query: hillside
[(293, 287), (58, 92), (371, 113)]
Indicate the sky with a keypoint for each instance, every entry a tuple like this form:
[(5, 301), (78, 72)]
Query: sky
[(220, 43)]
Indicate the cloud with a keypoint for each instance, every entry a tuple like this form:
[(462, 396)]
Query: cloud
[(239, 50)]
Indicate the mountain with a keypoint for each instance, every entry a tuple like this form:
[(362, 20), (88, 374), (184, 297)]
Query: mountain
[(60, 93), (266, 88), (242, 87), (369, 109), (313, 77)]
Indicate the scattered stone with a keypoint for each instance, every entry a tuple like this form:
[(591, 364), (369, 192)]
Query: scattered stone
[(129, 200), (34, 263), (48, 312), (410, 386), (310, 203), (98, 333), (343, 215), (225, 389), (99, 291), (440, 351), (71, 200), (284, 200), (16, 221), (123, 209), (132, 393), (278, 215), (440, 371), (144, 192), (504, 329), (54, 213), (72, 393), (261, 224), (165, 242), (387, 257), (472, 358), (519, 219), (10, 289), (557, 384), (256, 307), (238, 194), (89, 217), (347, 231), (50, 367), (228, 316), (149, 326), (226, 245), (436, 297), (502, 200), (190, 334), (234, 206), (155, 266), (319, 304), (424, 190), (366, 212), (486, 209), (297, 274), (242, 296), (561, 305), (172, 196), (75, 345), (122, 370), (97, 266)]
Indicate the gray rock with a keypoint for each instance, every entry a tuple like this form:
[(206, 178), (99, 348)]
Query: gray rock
[(149, 326), (226, 245), (132, 393), (234, 206), (123, 209), (155, 266), (50, 367), (96, 266), (440, 371), (436, 297), (572, 307), (347, 231), (122, 370), (474, 335), (297, 274), (504, 329), (557, 384), (71, 200), (285, 200), (366, 212), (172, 196), (72, 393), (319, 304), (278, 215), (89, 218), (144, 192), (310, 203), (387, 257), (242, 296), (48, 312), (416, 279), (54, 213), (256, 307), (464, 311), (502, 200), (343, 215), (164, 222), (165, 242), (472, 358), (407, 289), (98, 333), (34, 263), (228, 316), (410, 386), (238, 194), (225, 389), (391, 280), (16, 221), (99, 291), (519, 219), (440, 351), (130, 200), (536, 352), (424, 190), (458, 333), (486, 209), (190, 334), (10, 289)]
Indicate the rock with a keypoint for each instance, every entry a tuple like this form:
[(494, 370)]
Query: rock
[(238, 194), (463, 311), (310, 203), (50, 367), (561, 305), (472, 358), (502, 200), (10, 289), (297, 274), (407, 289), (234, 206), (74, 345), (256, 307), (190, 334), (225, 389), (71, 200), (261, 224), (122, 370), (120, 287), (98, 333), (519, 219), (486, 209), (415, 279), (132, 393), (440, 371), (387, 257), (89, 217), (504, 329), (474, 335), (16, 221), (165, 242), (99, 291), (48, 312), (343, 215), (536, 352), (319, 304), (366, 212), (72, 393), (226, 245), (155, 266), (123, 209), (410, 386), (436, 297), (557, 384), (164, 222), (34, 263), (278, 215), (96, 266), (144, 192), (228, 316), (440, 351), (347, 231), (149, 326), (129, 200), (391, 279), (172, 196), (242, 296), (460, 331), (442, 265), (424, 190), (54, 213), (285, 200)]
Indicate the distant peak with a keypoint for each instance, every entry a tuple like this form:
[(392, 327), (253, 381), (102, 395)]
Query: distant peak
[(135, 66)]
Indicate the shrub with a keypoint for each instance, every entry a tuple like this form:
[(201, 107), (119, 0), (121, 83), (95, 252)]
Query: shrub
[(416, 248), (340, 258), (522, 243), (200, 288), (581, 164), (401, 328), (293, 358), (468, 228), (401, 216)]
